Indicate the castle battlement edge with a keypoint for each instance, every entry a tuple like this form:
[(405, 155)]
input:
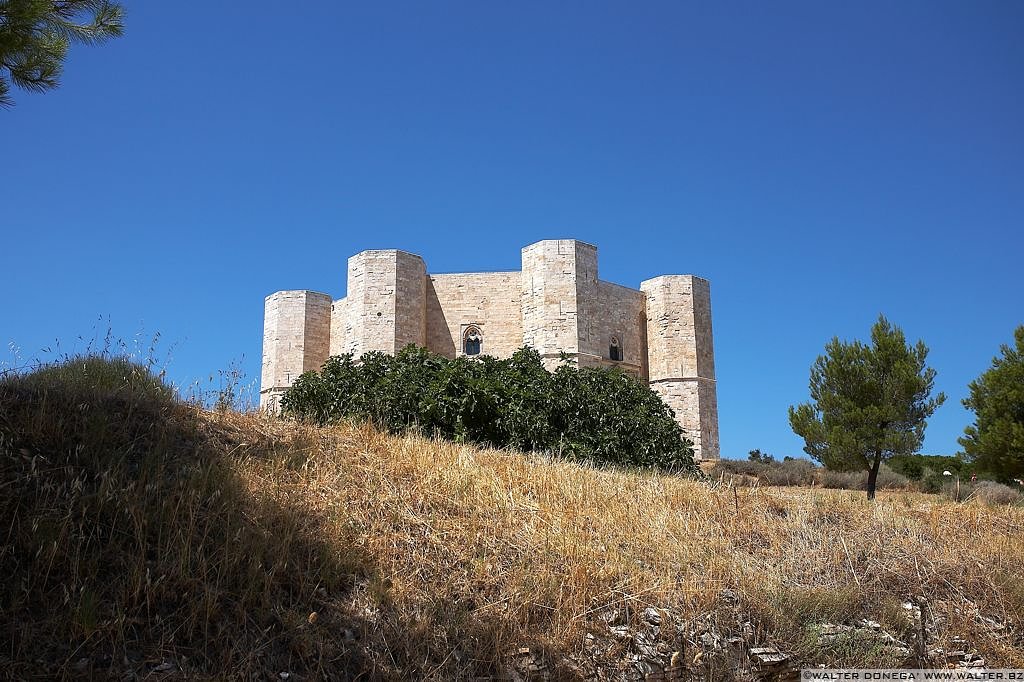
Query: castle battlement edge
[(660, 332)]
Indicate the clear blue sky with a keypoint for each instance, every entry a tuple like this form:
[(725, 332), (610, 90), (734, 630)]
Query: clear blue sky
[(820, 163)]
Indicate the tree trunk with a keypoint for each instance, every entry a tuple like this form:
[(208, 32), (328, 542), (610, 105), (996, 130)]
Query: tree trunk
[(873, 475)]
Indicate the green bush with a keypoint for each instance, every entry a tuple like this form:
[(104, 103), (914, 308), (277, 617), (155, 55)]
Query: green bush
[(594, 414), (932, 481), (917, 467)]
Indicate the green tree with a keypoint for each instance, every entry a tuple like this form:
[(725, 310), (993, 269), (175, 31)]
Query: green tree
[(868, 402), (35, 35), (760, 457), (995, 442)]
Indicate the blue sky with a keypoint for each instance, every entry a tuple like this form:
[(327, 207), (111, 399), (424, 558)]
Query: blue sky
[(820, 163)]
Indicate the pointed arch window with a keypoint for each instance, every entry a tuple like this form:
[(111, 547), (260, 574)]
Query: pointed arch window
[(472, 340), (615, 350)]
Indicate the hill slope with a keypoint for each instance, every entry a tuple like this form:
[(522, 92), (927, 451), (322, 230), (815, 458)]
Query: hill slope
[(145, 537)]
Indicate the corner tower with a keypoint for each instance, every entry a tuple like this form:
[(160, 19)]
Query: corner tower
[(559, 287), (681, 355), (296, 339), (386, 304)]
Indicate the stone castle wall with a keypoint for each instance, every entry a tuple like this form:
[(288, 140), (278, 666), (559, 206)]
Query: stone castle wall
[(487, 300), (621, 312), (555, 304)]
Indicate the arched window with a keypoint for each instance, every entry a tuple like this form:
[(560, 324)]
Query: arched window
[(472, 340), (615, 349)]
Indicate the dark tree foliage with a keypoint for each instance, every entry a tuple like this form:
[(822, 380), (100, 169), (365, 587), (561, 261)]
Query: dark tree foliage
[(915, 467), (761, 457), (869, 402), (35, 36), (995, 442), (591, 414)]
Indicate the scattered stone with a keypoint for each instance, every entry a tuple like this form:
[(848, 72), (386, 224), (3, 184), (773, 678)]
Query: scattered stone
[(747, 628), (646, 646), (652, 616), (620, 631), (613, 617), (830, 632), (710, 640), (669, 674), (768, 663), (768, 656)]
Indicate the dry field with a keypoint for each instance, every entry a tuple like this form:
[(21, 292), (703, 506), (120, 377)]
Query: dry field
[(148, 538)]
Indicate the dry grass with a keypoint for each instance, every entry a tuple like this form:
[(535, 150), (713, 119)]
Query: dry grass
[(150, 536)]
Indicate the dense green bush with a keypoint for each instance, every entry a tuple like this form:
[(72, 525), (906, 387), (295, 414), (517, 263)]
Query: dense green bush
[(596, 414), (917, 467)]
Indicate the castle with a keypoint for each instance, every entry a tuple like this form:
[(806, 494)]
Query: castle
[(661, 333)]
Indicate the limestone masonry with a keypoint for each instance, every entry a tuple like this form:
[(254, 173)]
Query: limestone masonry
[(661, 333)]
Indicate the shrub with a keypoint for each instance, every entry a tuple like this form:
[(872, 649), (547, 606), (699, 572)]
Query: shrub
[(785, 473), (932, 481), (858, 480), (595, 414), (738, 467), (891, 480), (793, 472), (989, 492), (917, 467), (844, 480)]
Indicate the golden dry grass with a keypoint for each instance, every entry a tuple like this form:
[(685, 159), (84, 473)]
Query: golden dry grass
[(536, 547), (156, 538)]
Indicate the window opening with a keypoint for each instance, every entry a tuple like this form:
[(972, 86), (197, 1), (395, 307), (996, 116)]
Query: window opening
[(615, 349), (472, 341)]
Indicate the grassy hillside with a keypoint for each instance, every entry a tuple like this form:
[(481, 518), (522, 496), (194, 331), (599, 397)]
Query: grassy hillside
[(145, 536)]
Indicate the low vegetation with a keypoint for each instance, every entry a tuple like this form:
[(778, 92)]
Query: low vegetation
[(915, 473), (600, 415), (801, 472), (148, 537)]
